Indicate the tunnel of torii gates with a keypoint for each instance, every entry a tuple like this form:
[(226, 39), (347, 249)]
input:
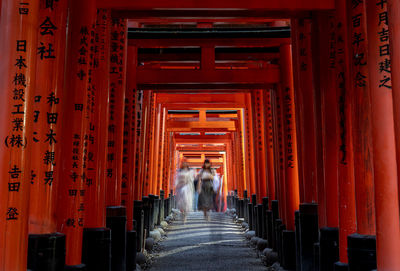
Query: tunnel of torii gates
[(295, 102)]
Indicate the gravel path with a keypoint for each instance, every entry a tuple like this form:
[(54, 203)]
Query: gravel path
[(201, 245)]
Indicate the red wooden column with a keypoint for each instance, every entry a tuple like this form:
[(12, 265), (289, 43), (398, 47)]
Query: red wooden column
[(328, 213), (251, 187), (347, 210), (242, 162), (128, 181), (118, 49), (245, 162), (74, 139), (156, 148), (144, 142), (95, 235), (305, 109), (138, 149), (151, 142), (270, 145), (327, 74), (393, 9), (161, 153), (281, 161), (98, 132), (18, 32), (362, 136), (47, 115), (291, 166), (383, 133), (260, 148)]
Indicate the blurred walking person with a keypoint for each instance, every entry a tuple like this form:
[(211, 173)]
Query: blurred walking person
[(184, 190), (196, 193), (206, 189)]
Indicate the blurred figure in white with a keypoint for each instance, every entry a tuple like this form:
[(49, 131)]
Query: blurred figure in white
[(216, 186), (184, 190), (206, 189)]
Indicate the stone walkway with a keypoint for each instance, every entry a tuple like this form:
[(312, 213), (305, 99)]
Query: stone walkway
[(201, 245)]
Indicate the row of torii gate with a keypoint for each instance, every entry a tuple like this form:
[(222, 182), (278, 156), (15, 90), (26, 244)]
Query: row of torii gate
[(101, 100)]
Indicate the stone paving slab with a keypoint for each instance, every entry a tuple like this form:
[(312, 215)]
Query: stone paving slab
[(201, 245)]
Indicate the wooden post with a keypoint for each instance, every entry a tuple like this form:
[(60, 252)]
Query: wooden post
[(291, 166), (118, 47), (74, 139), (18, 32), (383, 134)]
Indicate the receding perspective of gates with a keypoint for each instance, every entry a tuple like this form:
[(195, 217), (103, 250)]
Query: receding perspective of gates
[(293, 104)]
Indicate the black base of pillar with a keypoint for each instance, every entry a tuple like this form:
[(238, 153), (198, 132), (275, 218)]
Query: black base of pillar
[(138, 215), (265, 208), (116, 221), (146, 210), (289, 250), (270, 230), (166, 207), (250, 211), (241, 209), (260, 232), (161, 213), (338, 266), (361, 252), (275, 216), (236, 204), (131, 250), (309, 234), (278, 238), (46, 252), (152, 209), (328, 248), (246, 209), (255, 220), (96, 249), (80, 267), (297, 230), (254, 199), (316, 257)]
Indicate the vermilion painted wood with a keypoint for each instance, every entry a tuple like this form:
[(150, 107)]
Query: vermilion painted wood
[(236, 42), (270, 145), (116, 110), (383, 133), (243, 163), (97, 170), (281, 163), (306, 109), (270, 75), (260, 140), (18, 40), (144, 142), (74, 139), (129, 153), (50, 78), (162, 148), (347, 209), (250, 137), (319, 35), (363, 152), (394, 33), (330, 122), (291, 166), (208, 4)]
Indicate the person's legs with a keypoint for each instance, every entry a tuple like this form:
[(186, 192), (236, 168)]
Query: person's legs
[(195, 201)]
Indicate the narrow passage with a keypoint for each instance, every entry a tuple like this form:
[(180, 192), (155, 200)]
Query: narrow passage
[(201, 245)]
